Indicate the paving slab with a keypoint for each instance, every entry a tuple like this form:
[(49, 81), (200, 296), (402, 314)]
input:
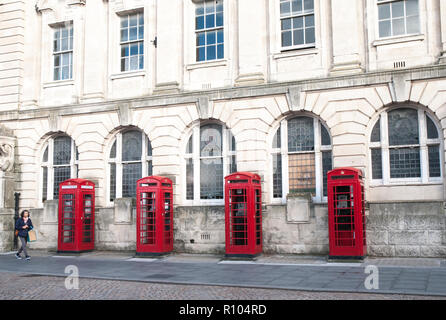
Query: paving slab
[(267, 272)]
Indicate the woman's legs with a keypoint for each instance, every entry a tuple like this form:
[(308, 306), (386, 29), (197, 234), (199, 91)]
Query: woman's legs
[(23, 247)]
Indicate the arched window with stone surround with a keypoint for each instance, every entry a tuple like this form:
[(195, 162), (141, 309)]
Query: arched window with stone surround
[(301, 156), (58, 163), (130, 159), (210, 155), (405, 147)]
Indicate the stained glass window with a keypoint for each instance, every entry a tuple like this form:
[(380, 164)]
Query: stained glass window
[(404, 157), (215, 158), (130, 164), (302, 158), (59, 163)]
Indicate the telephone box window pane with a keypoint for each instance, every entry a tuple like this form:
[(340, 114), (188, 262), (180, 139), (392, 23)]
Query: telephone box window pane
[(44, 183), (434, 161), (326, 166), (403, 127), (376, 132), (211, 178), (277, 175), (190, 145), (131, 172), (60, 175), (405, 163), (211, 140), (300, 134), (432, 132), (62, 150), (131, 146), (302, 173), (112, 181), (189, 179), (377, 171)]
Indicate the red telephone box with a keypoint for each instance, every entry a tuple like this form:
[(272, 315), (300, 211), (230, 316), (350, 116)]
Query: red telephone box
[(346, 213), (154, 216), (243, 214), (76, 216)]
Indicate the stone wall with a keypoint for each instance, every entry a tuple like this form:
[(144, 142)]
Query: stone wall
[(416, 229), (6, 229), (407, 229)]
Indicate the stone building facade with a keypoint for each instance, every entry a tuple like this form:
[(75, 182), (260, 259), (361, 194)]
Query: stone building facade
[(113, 90)]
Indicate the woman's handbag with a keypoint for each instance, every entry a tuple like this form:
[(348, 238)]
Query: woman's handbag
[(16, 233), (32, 235)]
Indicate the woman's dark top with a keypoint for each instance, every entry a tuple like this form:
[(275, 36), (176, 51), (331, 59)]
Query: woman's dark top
[(20, 224)]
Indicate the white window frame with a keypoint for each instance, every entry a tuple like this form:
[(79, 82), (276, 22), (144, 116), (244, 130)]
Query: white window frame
[(424, 143), (145, 159), (420, 20), (59, 27), (138, 41), (303, 14), (226, 156), (49, 164), (215, 28), (283, 150)]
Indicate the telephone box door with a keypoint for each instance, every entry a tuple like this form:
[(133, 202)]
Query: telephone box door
[(238, 219), (346, 213), (168, 222), (147, 221), (154, 216), (243, 214), (87, 221), (68, 222)]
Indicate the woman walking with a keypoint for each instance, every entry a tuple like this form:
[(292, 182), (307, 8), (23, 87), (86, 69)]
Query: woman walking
[(23, 225)]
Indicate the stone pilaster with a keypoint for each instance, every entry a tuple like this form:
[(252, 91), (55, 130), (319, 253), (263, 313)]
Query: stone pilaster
[(348, 36), (251, 42), (168, 46)]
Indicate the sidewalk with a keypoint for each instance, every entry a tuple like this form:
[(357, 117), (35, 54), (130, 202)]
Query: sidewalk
[(417, 276)]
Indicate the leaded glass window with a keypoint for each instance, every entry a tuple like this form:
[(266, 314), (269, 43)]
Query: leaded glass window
[(209, 30), (297, 23), (130, 159), (398, 17), (302, 144), (132, 42), (59, 163), (400, 155), (209, 156)]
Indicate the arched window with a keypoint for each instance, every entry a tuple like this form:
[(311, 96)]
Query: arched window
[(59, 163), (405, 147), (210, 155), (130, 159), (301, 158)]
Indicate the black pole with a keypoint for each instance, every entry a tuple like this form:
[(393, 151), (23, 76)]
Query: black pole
[(16, 215)]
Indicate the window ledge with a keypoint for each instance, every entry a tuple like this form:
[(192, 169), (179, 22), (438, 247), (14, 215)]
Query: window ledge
[(405, 184), (206, 64), (398, 39), (296, 53), (128, 74), (58, 83)]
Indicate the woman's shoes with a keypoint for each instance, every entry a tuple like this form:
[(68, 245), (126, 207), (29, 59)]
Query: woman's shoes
[(28, 258), (18, 256)]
